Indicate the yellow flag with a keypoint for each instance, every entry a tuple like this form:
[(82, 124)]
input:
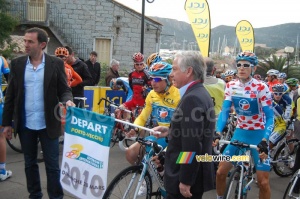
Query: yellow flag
[(245, 34), (199, 16)]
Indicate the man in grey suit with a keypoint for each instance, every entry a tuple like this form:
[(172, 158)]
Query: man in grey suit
[(37, 83), (191, 130)]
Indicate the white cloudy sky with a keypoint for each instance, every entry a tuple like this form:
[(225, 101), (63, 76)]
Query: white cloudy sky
[(260, 13)]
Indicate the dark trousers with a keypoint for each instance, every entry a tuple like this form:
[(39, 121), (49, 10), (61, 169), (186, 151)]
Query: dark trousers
[(29, 141), (176, 196), (296, 167)]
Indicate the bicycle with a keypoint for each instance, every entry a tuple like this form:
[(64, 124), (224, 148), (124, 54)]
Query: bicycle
[(283, 158), (227, 133), (127, 183), (289, 189), (283, 155), (242, 175), (119, 130)]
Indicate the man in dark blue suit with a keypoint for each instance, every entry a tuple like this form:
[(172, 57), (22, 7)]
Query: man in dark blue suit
[(191, 130)]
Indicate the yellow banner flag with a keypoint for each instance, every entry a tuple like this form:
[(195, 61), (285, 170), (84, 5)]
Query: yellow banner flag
[(245, 34), (199, 16)]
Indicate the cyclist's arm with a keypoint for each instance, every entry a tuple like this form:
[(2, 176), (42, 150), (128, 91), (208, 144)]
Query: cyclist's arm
[(288, 108), (76, 79), (223, 116), (145, 114), (268, 110)]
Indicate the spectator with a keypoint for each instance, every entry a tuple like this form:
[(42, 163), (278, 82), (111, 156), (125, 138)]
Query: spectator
[(81, 68), (36, 85), (94, 67), (4, 174), (113, 71)]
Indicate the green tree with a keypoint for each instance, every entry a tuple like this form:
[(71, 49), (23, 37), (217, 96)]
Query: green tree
[(7, 24), (276, 63)]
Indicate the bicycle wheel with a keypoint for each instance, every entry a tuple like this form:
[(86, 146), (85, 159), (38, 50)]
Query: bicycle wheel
[(284, 158), (289, 189), (232, 188), (15, 143), (126, 182)]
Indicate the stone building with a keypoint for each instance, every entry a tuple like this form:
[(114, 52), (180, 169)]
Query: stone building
[(106, 26)]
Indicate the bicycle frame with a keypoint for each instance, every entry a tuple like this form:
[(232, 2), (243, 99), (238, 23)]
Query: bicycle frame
[(243, 169), (149, 166)]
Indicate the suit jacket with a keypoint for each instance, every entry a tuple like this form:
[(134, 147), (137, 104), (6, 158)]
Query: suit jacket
[(56, 90), (191, 130)]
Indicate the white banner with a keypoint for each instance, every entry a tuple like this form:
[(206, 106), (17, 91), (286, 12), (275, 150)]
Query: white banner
[(86, 153)]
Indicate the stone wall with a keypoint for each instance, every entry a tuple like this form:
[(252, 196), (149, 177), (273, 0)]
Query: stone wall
[(107, 19)]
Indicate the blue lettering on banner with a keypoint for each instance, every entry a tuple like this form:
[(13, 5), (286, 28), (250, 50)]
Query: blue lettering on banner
[(245, 106), (118, 97)]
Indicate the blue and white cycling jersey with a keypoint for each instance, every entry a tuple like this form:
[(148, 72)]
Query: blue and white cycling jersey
[(249, 100)]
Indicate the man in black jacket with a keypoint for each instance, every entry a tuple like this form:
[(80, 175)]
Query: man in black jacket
[(81, 68), (191, 130), (94, 67)]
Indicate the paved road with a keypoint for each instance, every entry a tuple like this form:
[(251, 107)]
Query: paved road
[(15, 187)]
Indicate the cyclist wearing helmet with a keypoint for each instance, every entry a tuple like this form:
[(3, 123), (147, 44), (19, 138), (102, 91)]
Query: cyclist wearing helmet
[(279, 119), (257, 77), (153, 58), (138, 81), (253, 105), (4, 174), (121, 83), (160, 103), (293, 88), (272, 78), (228, 76), (73, 78)]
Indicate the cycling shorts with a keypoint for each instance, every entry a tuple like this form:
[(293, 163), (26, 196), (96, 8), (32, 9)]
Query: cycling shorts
[(277, 134), (250, 137), (1, 112), (131, 105)]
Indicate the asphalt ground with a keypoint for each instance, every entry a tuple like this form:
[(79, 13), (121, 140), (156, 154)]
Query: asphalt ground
[(15, 187)]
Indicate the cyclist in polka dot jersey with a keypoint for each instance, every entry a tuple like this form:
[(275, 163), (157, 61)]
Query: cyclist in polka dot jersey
[(252, 102)]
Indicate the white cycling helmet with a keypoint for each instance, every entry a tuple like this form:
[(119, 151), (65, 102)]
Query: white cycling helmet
[(229, 73), (273, 72)]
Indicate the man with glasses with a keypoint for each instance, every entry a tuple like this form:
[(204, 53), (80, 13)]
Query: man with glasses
[(138, 82), (253, 105), (279, 121), (272, 78)]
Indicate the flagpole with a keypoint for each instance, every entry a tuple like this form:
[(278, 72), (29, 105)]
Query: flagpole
[(137, 126)]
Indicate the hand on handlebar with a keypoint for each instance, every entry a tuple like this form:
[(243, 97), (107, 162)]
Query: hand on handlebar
[(216, 139), (131, 133), (263, 149)]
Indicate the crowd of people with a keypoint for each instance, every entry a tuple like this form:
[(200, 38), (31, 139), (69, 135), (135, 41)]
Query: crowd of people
[(189, 104)]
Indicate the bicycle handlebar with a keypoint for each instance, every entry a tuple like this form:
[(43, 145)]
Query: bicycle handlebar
[(123, 109), (238, 144)]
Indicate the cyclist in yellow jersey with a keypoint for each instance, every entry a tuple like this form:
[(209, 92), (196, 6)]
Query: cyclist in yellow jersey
[(214, 86), (160, 103)]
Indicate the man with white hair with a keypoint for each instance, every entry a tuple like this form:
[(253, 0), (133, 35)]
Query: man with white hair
[(113, 71)]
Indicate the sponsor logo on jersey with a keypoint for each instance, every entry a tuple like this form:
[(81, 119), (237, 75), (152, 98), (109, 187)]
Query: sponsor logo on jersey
[(244, 104)]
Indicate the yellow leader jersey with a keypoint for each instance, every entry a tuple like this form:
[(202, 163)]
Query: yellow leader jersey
[(160, 105)]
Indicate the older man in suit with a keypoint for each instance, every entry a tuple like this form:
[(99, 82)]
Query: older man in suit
[(37, 83), (191, 130)]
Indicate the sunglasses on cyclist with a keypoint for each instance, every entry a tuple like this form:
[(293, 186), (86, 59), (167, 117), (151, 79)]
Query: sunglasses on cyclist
[(157, 79), (277, 93), (140, 64), (244, 65), (61, 56)]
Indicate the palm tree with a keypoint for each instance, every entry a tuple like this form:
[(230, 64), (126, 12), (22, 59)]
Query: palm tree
[(277, 63)]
